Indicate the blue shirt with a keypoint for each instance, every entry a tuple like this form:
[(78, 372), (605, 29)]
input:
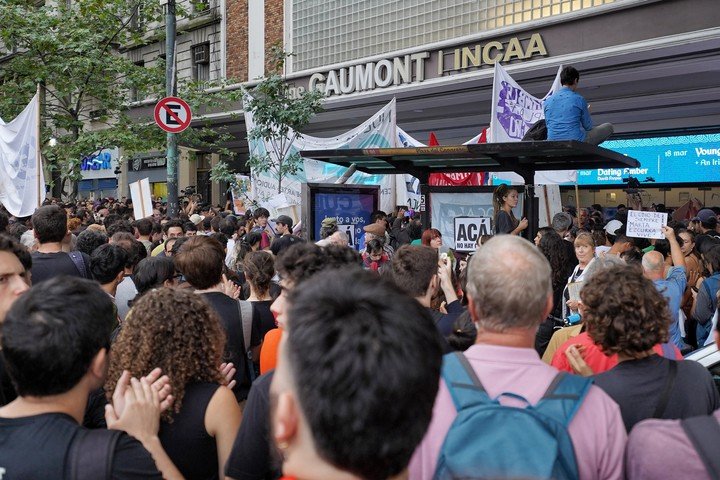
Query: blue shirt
[(672, 288), (567, 116)]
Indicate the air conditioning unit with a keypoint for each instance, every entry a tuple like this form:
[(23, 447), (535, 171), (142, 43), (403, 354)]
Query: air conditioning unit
[(201, 54)]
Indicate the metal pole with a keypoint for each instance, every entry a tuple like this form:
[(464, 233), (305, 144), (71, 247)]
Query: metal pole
[(171, 163)]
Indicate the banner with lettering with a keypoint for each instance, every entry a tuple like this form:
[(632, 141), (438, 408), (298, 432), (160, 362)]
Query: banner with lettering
[(379, 131), (514, 112)]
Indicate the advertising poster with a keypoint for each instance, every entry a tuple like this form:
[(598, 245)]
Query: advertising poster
[(351, 209), (681, 159)]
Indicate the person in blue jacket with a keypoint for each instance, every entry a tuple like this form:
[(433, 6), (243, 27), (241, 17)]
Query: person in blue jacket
[(567, 114)]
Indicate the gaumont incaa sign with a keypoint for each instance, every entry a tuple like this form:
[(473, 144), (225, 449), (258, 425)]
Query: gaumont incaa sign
[(419, 66)]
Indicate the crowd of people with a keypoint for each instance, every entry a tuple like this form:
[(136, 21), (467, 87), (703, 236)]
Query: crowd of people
[(213, 345)]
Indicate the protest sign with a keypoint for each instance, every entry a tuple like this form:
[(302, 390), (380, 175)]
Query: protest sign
[(468, 230), (141, 199), (646, 224)]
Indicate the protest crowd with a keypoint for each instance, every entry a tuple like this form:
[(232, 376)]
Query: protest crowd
[(215, 345)]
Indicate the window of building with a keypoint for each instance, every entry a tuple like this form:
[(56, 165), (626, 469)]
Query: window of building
[(201, 6), (355, 29), (137, 21), (201, 61)]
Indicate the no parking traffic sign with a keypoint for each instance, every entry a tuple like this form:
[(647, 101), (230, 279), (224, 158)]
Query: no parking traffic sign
[(173, 114)]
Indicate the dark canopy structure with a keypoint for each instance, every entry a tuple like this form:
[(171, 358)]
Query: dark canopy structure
[(523, 158)]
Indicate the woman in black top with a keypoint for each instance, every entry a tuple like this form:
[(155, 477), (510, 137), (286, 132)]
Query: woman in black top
[(506, 198), (259, 270), (624, 313), (180, 333)]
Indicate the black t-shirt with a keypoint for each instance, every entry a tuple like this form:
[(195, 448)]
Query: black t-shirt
[(505, 223), (280, 244), (7, 391), (186, 441), (263, 317), (37, 446), (229, 313), (253, 455), (49, 265), (637, 385)]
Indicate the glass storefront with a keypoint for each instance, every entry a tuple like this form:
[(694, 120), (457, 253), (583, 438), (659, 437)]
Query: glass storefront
[(325, 33)]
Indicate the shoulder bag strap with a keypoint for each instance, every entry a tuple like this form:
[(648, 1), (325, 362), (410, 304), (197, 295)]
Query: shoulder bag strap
[(92, 453), (79, 263), (704, 434), (246, 316), (665, 397)]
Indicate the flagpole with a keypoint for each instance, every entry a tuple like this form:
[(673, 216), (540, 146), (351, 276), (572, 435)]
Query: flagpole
[(38, 153)]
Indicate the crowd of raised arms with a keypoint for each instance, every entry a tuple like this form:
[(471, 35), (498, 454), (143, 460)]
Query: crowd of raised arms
[(215, 345)]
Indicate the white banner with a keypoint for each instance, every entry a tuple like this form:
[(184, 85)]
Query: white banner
[(377, 132), (22, 183)]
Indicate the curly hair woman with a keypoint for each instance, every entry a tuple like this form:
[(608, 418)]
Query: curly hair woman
[(625, 314), (180, 333)]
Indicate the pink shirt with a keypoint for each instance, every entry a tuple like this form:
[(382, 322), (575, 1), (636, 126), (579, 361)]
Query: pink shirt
[(597, 430), (662, 449)]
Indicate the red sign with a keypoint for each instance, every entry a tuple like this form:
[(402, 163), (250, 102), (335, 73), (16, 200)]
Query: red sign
[(173, 114)]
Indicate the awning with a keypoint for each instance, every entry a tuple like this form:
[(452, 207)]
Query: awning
[(523, 158)]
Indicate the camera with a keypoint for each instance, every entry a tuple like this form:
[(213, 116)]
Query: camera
[(189, 190)]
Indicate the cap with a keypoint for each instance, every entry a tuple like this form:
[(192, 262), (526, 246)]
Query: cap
[(376, 229), (329, 221), (705, 216), (613, 226), (196, 219), (284, 219)]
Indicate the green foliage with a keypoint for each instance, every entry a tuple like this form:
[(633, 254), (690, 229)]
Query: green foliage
[(279, 117), (76, 52)]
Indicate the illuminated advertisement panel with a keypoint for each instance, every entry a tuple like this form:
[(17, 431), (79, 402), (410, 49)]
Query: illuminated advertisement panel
[(682, 159)]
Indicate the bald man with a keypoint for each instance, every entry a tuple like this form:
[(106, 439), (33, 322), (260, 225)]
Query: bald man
[(671, 285)]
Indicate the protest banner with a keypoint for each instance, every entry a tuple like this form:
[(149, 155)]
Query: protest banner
[(141, 199), (646, 224), (22, 184), (468, 229)]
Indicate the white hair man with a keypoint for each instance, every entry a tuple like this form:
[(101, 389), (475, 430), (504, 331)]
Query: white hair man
[(510, 293)]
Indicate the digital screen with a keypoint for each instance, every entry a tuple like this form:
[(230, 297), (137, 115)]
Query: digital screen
[(681, 159), (351, 209)]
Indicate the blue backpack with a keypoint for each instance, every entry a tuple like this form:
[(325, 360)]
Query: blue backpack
[(489, 440)]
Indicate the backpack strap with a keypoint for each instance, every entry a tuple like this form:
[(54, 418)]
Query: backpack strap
[(667, 390), (92, 453), (563, 397), (462, 382), (704, 434), (79, 263)]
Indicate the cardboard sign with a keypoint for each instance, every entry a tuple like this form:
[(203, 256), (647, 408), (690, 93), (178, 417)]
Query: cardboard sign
[(468, 230), (350, 231), (646, 224), (141, 199)]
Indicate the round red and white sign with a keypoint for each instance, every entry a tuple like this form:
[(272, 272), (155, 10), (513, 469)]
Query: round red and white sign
[(173, 114)]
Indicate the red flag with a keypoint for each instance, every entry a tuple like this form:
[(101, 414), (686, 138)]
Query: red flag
[(432, 141)]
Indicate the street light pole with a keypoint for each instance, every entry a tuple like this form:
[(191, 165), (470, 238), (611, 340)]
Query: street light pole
[(171, 163)]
